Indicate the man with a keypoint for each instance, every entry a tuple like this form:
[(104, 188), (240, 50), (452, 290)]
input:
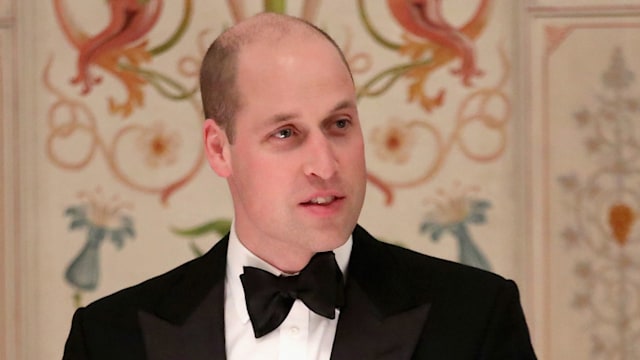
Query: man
[(282, 127)]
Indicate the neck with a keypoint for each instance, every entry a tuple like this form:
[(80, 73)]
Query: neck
[(285, 258)]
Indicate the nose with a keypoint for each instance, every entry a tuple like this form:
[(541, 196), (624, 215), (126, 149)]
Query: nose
[(320, 159)]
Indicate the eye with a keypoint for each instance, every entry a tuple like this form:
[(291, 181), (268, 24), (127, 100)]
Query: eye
[(283, 133), (342, 123)]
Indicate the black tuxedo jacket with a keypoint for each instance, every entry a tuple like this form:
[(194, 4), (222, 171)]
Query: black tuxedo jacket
[(399, 305)]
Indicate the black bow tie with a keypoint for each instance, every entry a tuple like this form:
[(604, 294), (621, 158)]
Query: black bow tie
[(269, 298)]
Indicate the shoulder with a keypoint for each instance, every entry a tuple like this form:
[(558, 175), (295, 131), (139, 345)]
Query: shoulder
[(439, 277), (472, 312), (197, 275), (114, 318), (140, 296)]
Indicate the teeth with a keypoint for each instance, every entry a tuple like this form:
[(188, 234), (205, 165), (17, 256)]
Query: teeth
[(322, 200)]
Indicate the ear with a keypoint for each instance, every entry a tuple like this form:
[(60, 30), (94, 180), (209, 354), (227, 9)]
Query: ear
[(216, 147)]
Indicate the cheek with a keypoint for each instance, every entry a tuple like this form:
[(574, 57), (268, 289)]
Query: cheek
[(247, 162), (267, 175), (355, 167), (354, 158)]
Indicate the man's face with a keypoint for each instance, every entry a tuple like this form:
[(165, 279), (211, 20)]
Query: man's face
[(297, 167)]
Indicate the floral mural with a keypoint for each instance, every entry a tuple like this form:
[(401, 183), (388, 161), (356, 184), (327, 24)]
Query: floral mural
[(453, 212), (121, 49), (125, 51), (101, 218), (122, 52), (604, 208), (127, 105), (431, 43), (501, 134)]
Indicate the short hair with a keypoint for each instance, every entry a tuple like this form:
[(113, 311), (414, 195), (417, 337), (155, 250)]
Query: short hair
[(221, 99)]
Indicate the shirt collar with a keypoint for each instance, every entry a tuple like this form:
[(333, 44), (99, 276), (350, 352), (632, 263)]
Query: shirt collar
[(239, 256)]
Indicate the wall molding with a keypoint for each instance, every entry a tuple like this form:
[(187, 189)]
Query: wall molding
[(8, 285), (17, 177)]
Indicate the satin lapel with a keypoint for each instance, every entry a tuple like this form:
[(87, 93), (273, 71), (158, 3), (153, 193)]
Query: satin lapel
[(363, 334), (385, 311), (188, 321)]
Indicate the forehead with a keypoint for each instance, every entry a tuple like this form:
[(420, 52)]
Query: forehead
[(291, 71), (274, 45)]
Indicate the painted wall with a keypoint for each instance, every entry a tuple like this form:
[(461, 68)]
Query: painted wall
[(505, 139)]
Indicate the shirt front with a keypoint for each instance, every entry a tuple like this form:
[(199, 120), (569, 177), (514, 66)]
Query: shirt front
[(303, 334)]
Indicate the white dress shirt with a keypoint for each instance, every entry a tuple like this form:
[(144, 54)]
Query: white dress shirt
[(303, 334)]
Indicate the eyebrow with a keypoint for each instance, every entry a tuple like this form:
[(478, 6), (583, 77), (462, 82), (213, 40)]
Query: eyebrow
[(277, 118), (345, 104)]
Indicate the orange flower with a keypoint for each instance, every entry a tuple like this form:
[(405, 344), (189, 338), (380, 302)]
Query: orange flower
[(160, 147), (394, 142), (621, 219)]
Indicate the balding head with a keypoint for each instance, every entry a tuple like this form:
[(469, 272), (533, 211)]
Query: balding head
[(221, 98)]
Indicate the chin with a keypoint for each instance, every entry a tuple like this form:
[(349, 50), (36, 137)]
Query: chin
[(329, 241)]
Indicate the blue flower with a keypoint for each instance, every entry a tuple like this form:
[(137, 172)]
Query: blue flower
[(101, 220), (453, 214)]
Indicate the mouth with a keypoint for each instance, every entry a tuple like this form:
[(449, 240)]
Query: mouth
[(322, 200)]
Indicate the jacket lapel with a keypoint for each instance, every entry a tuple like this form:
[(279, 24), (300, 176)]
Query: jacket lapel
[(385, 311), (187, 322), (383, 316)]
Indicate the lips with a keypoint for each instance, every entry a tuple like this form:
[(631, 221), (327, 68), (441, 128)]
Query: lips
[(322, 200)]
